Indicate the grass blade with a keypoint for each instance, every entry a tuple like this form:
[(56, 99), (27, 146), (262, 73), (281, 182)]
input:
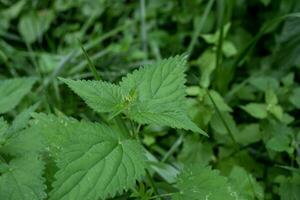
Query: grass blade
[(90, 63), (199, 28)]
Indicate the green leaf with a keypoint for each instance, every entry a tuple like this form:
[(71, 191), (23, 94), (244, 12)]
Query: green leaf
[(244, 186), (23, 142), (213, 38), (229, 49), (3, 127), (295, 97), (271, 97), (250, 133), (280, 142), (154, 94), (207, 64), (159, 116), (245, 92), (193, 90), (201, 183), (264, 83), (265, 2), (218, 125), (12, 91), (21, 120), (167, 171), (32, 25), (100, 96), (218, 99), (288, 80), (56, 131), (159, 94), (287, 118), (257, 110), (22, 179), (193, 144), (48, 62), (290, 188), (94, 160), (277, 111), (14, 10)]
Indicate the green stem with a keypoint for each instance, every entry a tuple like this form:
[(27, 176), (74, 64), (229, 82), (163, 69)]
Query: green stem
[(143, 26), (133, 131), (174, 147), (2, 159), (80, 66), (223, 120), (198, 29), (252, 186), (220, 42), (152, 183), (149, 176), (162, 195), (90, 64), (40, 74)]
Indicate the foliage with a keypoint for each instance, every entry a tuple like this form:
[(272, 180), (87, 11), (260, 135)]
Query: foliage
[(12, 91), (95, 104), (202, 183), (153, 94)]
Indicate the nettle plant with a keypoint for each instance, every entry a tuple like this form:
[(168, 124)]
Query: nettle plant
[(101, 160)]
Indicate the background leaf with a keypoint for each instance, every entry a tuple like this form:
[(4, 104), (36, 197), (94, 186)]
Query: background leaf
[(202, 183), (12, 91), (257, 110), (244, 186), (33, 25)]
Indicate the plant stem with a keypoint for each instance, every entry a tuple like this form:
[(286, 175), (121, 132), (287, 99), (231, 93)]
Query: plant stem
[(76, 53), (221, 8), (198, 29), (90, 64), (162, 195), (135, 131), (173, 148), (143, 26), (252, 186), (152, 183), (40, 74), (80, 66), (2, 159), (223, 120)]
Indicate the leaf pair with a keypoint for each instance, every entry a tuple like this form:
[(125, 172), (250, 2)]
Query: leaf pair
[(261, 110), (154, 94)]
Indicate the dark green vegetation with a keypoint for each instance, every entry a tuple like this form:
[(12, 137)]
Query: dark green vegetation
[(140, 134)]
